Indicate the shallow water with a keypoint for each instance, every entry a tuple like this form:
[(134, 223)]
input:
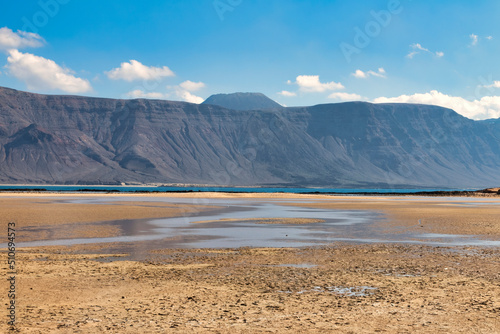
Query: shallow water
[(353, 291), (182, 232), (185, 232)]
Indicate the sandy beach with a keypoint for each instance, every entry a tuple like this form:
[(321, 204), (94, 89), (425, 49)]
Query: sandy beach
[(344, 287)]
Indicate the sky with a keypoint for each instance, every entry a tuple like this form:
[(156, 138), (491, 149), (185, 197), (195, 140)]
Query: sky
[(294, 51)]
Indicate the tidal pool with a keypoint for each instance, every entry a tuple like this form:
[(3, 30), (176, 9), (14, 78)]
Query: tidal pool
[(231, 224)]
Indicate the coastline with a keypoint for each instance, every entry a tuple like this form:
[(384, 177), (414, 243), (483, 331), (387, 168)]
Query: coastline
[(149, 188), (342, 287), (409, 213)]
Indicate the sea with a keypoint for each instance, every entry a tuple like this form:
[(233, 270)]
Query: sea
[(142, 189)]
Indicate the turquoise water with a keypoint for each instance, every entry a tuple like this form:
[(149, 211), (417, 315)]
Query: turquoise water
[(218, 189)]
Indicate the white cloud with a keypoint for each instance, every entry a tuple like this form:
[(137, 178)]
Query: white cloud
[(486, 107), (19, 40), (345, 96), (439, 54), (141, 94), (365, 75), (191, 86), (411, 54), (417, 48), (188, 97), (42, 74), (495, 84), (360, 74), (134, 70), (473, 39), (311, 83), (182, 91), (287, 93)]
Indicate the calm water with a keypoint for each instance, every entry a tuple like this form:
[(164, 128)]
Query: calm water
[(183, 232), (220, 189)]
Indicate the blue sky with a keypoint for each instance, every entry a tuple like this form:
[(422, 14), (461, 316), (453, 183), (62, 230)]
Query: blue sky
[(294, 51)]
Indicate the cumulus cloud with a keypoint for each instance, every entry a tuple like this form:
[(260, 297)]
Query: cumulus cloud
[(185, 90), (44, 74), (484, 108), (345, 96), (191, 86), (188, 97), (135, 70), (287, 93), (417, 48), (489, 38), (311, 83), (360, 74), (19, 40), (495, 84), (365, 75), (138, 93)]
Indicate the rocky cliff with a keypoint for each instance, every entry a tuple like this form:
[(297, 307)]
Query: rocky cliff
[(48, 139)]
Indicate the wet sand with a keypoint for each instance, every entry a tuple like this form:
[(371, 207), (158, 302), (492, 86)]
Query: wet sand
[(427, 215), (50, 216), (345, 288)]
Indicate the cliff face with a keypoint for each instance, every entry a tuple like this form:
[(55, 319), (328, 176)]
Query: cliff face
[(81, 140)]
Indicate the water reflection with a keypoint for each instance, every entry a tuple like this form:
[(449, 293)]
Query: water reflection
[(230, 226)]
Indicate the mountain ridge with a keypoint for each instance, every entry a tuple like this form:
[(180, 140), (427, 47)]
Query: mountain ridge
[(242, 101), (53, 139)]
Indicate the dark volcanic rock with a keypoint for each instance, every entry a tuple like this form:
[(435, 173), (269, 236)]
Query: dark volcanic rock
[(81, 140), (243, 101)]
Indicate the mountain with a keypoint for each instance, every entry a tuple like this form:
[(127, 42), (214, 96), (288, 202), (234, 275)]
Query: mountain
[(50, 139), (243, 101)]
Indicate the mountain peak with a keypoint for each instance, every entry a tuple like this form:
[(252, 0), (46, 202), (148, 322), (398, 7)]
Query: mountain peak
[(242, 101)]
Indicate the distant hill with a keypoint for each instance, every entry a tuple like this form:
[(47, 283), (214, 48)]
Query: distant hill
[(242, 101), (51, 139)]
